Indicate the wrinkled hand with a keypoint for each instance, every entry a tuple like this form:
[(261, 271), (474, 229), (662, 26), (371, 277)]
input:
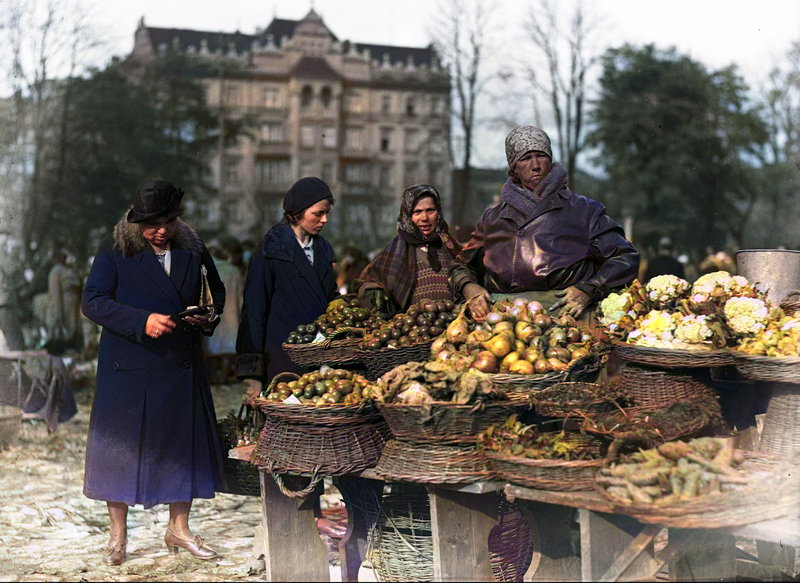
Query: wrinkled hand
[(252, 390), (478, 299), (158, 325), (200, 321), (573, 302)]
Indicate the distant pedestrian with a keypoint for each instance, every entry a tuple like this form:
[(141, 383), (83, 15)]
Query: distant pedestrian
[(63, 306), (665, 262), (152, 434)]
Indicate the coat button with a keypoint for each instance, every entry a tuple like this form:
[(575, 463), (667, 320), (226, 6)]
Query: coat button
[(186, 364), (520, 232), (116, 366)]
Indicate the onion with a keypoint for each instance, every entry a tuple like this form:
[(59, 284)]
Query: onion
[(519, 301), (534, 307), (494, 317)]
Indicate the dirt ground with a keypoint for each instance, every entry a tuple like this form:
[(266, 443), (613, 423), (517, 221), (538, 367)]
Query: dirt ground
[(50, 532)]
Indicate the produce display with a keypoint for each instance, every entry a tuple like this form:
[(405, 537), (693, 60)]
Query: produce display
[(422, 321), (675, 471), (327, 386), (418, 383), (716, 311), (517, 439), (780, 338), (517, 337), (345, 314)]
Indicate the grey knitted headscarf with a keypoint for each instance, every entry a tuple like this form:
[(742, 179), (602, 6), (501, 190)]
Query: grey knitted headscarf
[(524, 139)]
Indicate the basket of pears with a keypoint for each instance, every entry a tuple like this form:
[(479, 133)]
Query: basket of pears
[(321, 423), (519, 344), (333, 338), (406, 337)]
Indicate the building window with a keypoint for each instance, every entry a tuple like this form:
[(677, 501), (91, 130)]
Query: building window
[(438, 105), (327, 172), (354, 138), (326, 95), (355, 102), (410, 107), (357, 173), (273, 132), (306, 94), (412, 173), (230, 171), (387, 137), (385, 176), (329, 137), (436, 144), (271, 97), (412, 140), (307, 136), (231, 95), (273, 172), (386, 103)]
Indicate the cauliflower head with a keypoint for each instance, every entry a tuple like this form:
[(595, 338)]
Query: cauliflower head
[(614, 307), (746, 315), (694, 330), (663, 289)]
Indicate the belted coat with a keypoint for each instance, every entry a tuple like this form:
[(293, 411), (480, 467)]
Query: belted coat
[(283, 290), (152, 433)]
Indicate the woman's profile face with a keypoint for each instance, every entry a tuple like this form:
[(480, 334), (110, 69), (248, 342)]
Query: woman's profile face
[(425, 216), (159, 231), (315, 217), (532, 168)]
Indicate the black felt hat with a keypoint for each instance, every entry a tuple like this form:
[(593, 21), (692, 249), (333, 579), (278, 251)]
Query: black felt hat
[(158, 198), (304, 193)]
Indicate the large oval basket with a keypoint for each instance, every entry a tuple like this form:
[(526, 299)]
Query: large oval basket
[(382, 360), (432, 464), (768, 368), (333, 352), (442, 422), (562, 475), (672, 357)]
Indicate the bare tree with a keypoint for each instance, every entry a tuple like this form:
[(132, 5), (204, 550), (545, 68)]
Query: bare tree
[(464, 39), (567, 58)]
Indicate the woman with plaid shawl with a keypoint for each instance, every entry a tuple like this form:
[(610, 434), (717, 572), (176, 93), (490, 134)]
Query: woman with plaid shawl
[(414, 265)]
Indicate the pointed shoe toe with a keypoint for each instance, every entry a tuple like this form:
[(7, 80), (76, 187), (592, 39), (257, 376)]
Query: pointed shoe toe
[(195, 546), (115, 553)]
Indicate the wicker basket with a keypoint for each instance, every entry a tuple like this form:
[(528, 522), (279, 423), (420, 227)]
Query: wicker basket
[(774, 493), (510, 544), (553, 402), (432, 464), (321, 450), (672, 357), (781, 435), (402, 539), (330, 352), (382, 360), (442, 422), (768, 368), (10, 424), (587, 369), (649, 387)]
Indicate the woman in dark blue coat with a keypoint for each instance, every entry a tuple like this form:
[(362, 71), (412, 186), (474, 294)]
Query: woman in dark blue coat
[(152, 434), (290, 281)]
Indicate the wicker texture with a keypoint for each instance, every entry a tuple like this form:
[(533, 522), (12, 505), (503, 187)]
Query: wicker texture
[(768, 368), (442, 422), (432, 464), (311, 449), (330, 352), (560, 399), (379, 362), (560, 475), (587, 369), (774, 493), (333, 415), (402, 539), (649, 387), (510, 544), (672, 357), (781, 435)]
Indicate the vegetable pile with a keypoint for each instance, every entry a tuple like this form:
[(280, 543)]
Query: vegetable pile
[(516, 439), (343, 314), (422, 321), (675, 471), (327, 386)]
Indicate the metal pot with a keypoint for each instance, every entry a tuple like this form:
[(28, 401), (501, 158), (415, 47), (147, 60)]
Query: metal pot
[(775, 270)]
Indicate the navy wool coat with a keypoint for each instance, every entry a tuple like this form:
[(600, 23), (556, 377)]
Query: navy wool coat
[(282, 291), (152, 433)]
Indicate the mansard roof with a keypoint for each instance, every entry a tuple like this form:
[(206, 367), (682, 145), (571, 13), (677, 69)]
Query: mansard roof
[(314, 68)]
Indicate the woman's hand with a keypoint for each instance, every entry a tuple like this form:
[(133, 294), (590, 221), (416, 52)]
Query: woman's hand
[(573, 302), (252, 390), (200, 321), (478, 301), (158, 325)]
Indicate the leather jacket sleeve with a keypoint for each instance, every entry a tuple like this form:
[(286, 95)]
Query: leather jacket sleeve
[(616, 259), (467, 266)]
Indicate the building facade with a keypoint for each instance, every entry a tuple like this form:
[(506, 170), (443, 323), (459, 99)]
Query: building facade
[(368, 119)]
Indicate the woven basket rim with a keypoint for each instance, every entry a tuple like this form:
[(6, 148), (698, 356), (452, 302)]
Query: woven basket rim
[(556, 376), (451, 405), (311, 346), (659, 350), (544, 463), (396, 349), (326, 414), (769, 360)]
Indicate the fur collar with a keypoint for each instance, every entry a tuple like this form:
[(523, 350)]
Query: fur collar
[(129, 241)]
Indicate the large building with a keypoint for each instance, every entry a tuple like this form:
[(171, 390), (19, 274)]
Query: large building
[(368, 119)]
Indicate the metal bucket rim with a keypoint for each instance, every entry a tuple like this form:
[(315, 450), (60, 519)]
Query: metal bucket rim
[(767, 251)]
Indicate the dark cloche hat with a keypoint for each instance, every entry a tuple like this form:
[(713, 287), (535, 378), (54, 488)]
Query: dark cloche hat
[(304, 193), (157, 198)]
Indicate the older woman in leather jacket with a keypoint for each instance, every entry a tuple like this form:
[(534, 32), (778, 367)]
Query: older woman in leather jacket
[(542, 237)]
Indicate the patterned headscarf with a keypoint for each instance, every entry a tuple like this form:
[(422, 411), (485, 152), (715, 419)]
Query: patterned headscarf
[(524, 139), (395, 267)]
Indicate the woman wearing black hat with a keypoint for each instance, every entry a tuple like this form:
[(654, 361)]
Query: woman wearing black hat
[(290, 281), (152, 434)]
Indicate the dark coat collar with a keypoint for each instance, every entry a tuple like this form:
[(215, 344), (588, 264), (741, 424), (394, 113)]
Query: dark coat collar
[(280, 242)]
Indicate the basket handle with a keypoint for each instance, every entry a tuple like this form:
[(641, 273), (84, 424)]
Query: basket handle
[(315, 479), (344, 330), (275, 380)]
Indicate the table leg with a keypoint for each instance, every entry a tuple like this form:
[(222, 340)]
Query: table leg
[(461, 523), (293, 549), (362, 498), (605, 538)]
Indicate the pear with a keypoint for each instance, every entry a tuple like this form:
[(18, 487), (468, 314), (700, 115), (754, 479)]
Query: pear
[(524, 330), (520, 346), (508, 359), (499, 344), (476, 337), (521, 367), (438, 345), (531, 354), (504, 325), (457, 330)]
